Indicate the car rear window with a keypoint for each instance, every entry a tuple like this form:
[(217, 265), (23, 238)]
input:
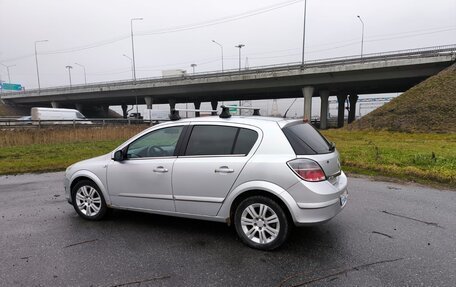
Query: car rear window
[(306, 140)]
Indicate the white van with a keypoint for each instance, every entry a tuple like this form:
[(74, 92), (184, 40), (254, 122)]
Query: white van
[(58, 116)]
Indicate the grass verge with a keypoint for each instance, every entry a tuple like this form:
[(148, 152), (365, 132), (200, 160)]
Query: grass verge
[(424, 158)]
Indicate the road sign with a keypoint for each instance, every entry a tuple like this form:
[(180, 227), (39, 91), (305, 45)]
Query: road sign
[(11, 87), (233, 108)]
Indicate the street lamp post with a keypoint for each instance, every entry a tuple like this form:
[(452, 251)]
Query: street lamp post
[(240, 47), (8, 71), (362, 35), (133, 47), (85, 75), (36, 61), (193, 67), (131, 63), (304, 32), (221, 48), (69, 72)]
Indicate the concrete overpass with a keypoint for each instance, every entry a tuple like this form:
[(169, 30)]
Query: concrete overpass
[(350, 76)]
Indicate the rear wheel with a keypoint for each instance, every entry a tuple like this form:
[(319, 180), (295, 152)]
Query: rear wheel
[(261, 223), (88, 200)]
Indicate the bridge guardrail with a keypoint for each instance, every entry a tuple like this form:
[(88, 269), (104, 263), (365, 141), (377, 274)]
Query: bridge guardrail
[(382, 56), (95, 122)]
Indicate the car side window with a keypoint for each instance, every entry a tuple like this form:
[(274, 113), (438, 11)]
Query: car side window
[(159, 143), (220, 140), (245, 141)]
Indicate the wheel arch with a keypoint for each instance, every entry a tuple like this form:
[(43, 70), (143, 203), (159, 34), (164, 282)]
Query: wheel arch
[(87, 175), (249, 189), (257, 192)]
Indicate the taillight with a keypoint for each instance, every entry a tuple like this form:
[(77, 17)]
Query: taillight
[(307, 169)]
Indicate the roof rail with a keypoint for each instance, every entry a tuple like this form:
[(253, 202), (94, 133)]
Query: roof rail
[(196, 110)]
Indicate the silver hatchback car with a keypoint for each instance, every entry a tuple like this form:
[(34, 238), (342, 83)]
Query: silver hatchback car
[(261, 174)]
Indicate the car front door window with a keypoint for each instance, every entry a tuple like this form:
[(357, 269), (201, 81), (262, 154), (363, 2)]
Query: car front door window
[(159, 143)]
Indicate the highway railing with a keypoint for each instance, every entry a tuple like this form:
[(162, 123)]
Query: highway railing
[(95, 122), (446, 50)]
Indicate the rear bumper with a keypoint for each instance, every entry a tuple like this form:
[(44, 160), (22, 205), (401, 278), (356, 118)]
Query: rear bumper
[(318, 215), (318, 202)]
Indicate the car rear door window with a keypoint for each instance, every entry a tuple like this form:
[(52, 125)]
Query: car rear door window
[(211, 140), (220, 140), (245, 141)]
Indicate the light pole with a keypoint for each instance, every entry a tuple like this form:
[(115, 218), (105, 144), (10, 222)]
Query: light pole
[(8, 71), (85, 75), (240, 47), (133, 77), (131, 63), (133, 47), (193, 67), (362, 35), (36, 61), (221, 48), (69, 72), (304, 32)]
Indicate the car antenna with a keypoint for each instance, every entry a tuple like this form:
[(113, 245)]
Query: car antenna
[(285, 114)]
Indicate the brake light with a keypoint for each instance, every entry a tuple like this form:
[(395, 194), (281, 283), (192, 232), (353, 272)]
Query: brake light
[(307, 169)]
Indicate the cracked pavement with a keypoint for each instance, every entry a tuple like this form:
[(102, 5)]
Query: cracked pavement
[(389, 234)]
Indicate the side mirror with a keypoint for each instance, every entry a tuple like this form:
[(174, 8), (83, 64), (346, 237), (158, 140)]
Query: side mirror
[(118, 156)]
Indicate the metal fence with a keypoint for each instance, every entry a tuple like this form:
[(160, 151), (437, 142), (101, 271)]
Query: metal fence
[(96, 122)]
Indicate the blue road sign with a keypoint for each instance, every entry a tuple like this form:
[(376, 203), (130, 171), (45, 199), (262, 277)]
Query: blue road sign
[(11, 87)]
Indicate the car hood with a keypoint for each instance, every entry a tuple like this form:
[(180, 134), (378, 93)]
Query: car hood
[(85, 164)]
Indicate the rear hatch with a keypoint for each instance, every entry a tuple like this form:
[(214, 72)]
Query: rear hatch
[(308, 143)]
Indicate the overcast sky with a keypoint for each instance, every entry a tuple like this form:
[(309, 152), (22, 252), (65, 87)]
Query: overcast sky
[(95, 33)]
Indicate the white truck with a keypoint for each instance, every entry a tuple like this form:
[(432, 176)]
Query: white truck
[(57, 116), (173, 73)]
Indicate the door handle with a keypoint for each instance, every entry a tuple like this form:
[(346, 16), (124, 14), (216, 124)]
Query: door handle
[(160, 169), (224, 169)]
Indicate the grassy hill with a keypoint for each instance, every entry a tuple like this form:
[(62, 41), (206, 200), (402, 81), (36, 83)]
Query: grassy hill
[(428, 107), (9, 111)]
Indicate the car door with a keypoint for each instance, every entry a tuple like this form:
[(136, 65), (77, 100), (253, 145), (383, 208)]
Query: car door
[(205, 173), (143, 179)]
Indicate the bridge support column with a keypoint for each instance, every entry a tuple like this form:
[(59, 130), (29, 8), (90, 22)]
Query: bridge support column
[(105, 110), (353, 98), (172, 105), (124, 111), (307, 92), (55, 105), (79, 107), (324, 96), (197, 107), (149, 102), (214, 107), (341, 110)]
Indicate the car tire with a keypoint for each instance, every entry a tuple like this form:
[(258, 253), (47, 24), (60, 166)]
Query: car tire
[(261, 223), (88, 200)]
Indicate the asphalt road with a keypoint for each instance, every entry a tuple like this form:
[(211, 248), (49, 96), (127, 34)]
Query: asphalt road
[(388, 235)]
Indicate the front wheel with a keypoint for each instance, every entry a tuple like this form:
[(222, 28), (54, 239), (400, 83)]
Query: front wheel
[(261, 223), (88, 200)]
